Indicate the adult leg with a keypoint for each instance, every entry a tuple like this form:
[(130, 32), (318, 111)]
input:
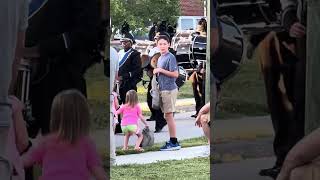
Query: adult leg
[(149, 102), (280, 116), (160, 120)]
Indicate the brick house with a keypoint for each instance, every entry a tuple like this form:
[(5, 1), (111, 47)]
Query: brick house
[(192, 7)]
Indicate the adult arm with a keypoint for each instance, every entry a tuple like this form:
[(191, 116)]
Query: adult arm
[(305, 151)]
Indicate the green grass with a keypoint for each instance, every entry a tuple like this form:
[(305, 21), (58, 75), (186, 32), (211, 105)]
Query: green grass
[(244, 94), (184, 143), (197, 168)]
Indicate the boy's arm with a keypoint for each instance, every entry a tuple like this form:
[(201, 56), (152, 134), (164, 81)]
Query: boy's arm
[(174, 74)]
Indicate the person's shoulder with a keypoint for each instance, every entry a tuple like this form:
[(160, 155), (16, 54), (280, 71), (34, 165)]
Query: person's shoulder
[(86, 142), (135, 52), (171, 55), (121, 51), (48, 140), (137, 106)]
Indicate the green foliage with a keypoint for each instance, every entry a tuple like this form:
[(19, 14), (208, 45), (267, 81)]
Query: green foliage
[(141, 13)]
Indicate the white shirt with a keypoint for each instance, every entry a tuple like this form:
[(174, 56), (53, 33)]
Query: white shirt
[(114, 66), (153, 51)]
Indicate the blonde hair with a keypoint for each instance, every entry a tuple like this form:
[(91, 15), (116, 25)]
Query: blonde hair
[(132, 98), (70, 116)]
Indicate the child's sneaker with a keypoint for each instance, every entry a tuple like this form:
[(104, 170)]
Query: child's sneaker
[(169, 146)]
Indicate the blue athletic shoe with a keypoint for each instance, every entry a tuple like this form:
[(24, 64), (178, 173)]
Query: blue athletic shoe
[(169, 146)]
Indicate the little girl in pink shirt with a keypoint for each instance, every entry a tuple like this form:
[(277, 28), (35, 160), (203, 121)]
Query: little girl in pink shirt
[(131, 114), (67, 152)]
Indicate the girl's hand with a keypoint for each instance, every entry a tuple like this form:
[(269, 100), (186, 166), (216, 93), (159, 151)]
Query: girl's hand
[(157, 70), (198, 121)]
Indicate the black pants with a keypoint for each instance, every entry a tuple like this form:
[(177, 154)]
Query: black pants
[(288, 126), (198, 90), (156, 115)]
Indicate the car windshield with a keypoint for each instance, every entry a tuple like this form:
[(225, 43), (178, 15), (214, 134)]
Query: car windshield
[(186, 24)]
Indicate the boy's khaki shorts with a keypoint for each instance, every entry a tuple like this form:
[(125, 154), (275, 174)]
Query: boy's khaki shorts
[(168, 101)]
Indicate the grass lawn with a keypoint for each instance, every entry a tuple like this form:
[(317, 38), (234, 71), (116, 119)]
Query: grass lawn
[(198, 168), (184, 143), (244, 94)]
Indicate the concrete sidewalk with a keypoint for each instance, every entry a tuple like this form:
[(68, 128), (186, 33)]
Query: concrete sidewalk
[(153, 157), (242, 170)]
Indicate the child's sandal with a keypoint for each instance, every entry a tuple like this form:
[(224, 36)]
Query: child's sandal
[(125, 149), (139, 150)]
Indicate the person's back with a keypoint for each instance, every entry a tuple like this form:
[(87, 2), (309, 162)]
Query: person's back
[(61, 160), (130, 114), (67, 152)]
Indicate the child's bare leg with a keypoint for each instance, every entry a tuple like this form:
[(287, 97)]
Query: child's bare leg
[(140, 137), (171, 124), (126, 141), (206, 130)]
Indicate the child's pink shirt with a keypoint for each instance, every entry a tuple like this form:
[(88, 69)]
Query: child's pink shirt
[(130, 114), (64, 161)]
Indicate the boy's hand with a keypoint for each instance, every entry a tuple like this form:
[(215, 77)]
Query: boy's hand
[(157, 70)]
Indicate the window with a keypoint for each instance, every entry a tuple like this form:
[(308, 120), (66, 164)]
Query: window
[(187, 24)]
